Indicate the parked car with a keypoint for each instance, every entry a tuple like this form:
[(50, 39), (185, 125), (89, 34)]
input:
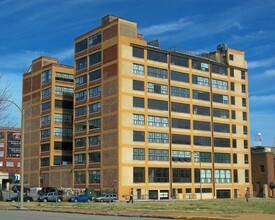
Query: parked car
[(49, 189), (80, 198), (106, 198), (15, 199), (50, 197), (17, 188)]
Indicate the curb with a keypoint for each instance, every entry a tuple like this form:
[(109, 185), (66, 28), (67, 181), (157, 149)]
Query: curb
[(203, 218)]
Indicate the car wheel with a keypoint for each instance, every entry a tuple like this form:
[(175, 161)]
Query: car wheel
[(45, 200), (101, 200), (28, 200), (58, 200), (75, 200), (88, 200), (13, 200)]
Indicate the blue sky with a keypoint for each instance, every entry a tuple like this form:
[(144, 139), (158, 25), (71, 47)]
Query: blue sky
[(29, 29)]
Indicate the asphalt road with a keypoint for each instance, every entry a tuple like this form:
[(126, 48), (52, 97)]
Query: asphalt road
[(34, 215)]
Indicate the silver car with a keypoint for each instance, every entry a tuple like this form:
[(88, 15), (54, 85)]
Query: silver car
[(106, 198)]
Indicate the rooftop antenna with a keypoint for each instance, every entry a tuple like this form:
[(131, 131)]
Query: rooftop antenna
[(259, 139)]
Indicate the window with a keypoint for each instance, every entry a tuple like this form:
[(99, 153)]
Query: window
[(222, 158), (46, 92), (242, 74), (95, 91), (95, 124), (63, 118), (155, 137), (219, 69), (95, 39), (45, 119), (199, 80), (246, 176), (157, 121), (138, 119), (223, 128), (79, 177), (94, 176), (244, 102), (63, 104), (81, 80), (180, 123), (138, 52), (244, 129), (234, 130), (138, 69), (157, 72), (220, 113), (46, 106), (219, 84), (80, 111), (1, 145), (94, 140), (45, 133), (138, 136), (200, 65), (45, 162), (180, 107), (201, 125), (262, 169), (46, 76), (232, 72), (139, 175), (204, 157), (243, 88), (231, 57), (138, 85), (220, 98), (64, 77), (181, 156), (178, 76), (81, 45), (80, 126), (244, 116), (45, 147), (94, 157), (202, 141), (156, 56), (235, 158), (245, 144), (222, 176), (232, 100), (234, 143), (158, 155), (64, 91), (201, 110), (200, 95), (81, 63), (203, 176), (138, 102), (1, 163), (95, 107), (95, 58), (221, 142), (246, 161), (236, 179), (1, 153), (63, 132), (158, 175), (62, 160), (181, 139), (95, 75), (82, 95), (181, 175), (179, 61), (232, 86), (80, 142), (157, 88), (180, 92), (157, 104), (63, 146), (233, 114), (138, 154)]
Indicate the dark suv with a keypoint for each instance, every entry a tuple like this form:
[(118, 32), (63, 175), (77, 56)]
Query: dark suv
[(50, 197), (49, 189), (17, 188)]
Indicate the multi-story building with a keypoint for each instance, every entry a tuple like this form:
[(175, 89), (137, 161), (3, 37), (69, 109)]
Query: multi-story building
[(48, 113), (157, 123), (263, 171), (10, 139)]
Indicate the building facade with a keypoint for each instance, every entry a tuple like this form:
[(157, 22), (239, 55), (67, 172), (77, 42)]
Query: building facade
[(10, 139), (263, 171), (159, 124), (48, 113)]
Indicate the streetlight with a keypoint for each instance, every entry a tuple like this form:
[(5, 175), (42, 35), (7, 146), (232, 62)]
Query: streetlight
[(21, 153)]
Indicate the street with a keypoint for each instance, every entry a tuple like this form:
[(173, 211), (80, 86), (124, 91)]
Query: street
[(34, 215)]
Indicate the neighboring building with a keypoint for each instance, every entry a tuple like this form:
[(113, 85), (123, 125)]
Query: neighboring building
[(263, 171), (48, 114), (10, 139), (158, 123)]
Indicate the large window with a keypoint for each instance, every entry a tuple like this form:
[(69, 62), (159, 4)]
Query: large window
[(63, 118), (180, 92), (94, 176), (94, 157), (181, 175), (201, 95), (81, 80), (138, 69), (63, 104), (219, 127), (204, 157), (155, 137), (45, 119), (46, 106), (138, 119), (200, 65), (46, 92), (220, 98), (95, 75), (95, 124), (46, 76), (156, 56), (219, 69), (94, 140), (157, 88), (157, 72), (158, 175), (201, 125), (180, 107), (139, 175), (80, 126), (64, 91), (95, 58), (65, 77), (221, 142), (82, 95), (138, 136), (44, 162), (138, 102), (95, 39), (222, 176), (63, 132), (95, 91), (138, 85), (180, 123), (202, 141), (222, 158), (95, 107), (201, 110), (199, 80), (181, 139), (45, 133), (80, 111), (220, 84), (159, 155), (80, 142), (138, 52), (179, 61), (81, 45), (157, 104), (81, 63), (157, 121), (139, 154), (220, 113), (178, 76), (79, 177), (182, 156), (203, 175)]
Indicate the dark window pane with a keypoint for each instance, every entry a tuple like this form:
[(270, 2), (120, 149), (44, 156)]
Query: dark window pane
[(180, 61), (138, 52), (178, 76)]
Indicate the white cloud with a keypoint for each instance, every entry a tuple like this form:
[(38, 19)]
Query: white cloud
[(261, 63), (264, 99)]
